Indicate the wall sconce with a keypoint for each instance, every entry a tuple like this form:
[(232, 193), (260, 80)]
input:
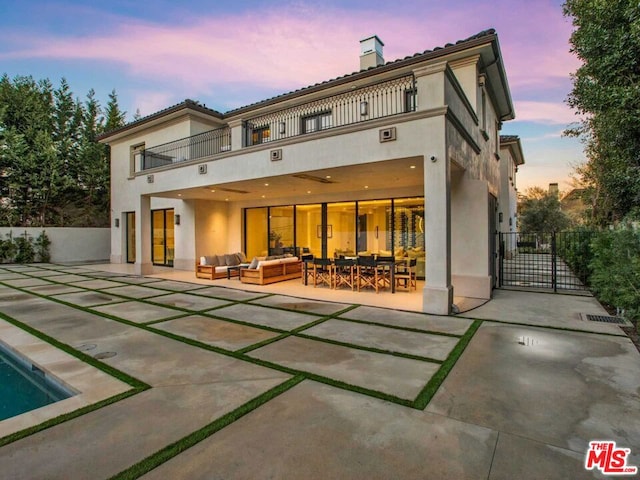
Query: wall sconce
[(117, 223), (500, 217), (364, 108), (176, 219), (283, 128)]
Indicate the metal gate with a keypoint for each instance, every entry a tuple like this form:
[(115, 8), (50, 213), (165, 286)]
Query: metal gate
[(544, 260)]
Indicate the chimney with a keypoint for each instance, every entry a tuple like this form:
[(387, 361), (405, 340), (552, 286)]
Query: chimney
[(553, 189), (371, 52)]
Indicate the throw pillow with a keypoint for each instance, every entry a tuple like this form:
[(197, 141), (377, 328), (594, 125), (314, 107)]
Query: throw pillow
[(230, 260), (242, 257), (212, 260), (203, 261), (254, 263)]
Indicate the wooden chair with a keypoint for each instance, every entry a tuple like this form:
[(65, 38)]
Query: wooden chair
[(383, 267), (344, 273), (406, 275), (367, 273), (322, 272)]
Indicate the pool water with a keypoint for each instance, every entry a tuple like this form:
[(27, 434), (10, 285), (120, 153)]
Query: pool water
[(23, 389)]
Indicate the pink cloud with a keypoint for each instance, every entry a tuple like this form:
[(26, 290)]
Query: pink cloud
[(300, 45), (545, 112)]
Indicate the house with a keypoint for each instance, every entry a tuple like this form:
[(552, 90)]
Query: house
[(511, 157), (401, 157)]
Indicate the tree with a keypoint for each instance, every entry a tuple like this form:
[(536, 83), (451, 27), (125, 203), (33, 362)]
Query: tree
[(606, 90), (52, 169), (540, 212)]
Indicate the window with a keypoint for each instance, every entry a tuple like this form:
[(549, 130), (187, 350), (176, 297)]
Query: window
[(484, 110), (410, 100), (315, 122), (260, 135)]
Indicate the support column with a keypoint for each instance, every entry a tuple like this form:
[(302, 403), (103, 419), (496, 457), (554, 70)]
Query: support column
[(143, 265), (237, 134), (438, 292), (437, 296)]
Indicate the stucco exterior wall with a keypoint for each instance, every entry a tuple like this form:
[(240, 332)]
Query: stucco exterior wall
[(70, 244)]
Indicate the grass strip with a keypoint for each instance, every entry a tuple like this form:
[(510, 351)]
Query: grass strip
[(264, 343), (429, 390), (134, 382), (170, 451)]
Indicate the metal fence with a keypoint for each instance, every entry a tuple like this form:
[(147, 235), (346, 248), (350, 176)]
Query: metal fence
[(544, 260), (185, 149)]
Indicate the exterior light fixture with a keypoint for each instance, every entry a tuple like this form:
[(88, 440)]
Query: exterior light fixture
[(283, 128), (176, 219), (117, 223), (364, 108)]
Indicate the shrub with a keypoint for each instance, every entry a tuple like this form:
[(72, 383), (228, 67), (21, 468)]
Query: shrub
[(24, 246), (616, 269), (42, 244)]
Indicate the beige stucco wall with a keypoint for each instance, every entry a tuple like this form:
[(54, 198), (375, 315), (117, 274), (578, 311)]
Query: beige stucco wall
[(69, 244)]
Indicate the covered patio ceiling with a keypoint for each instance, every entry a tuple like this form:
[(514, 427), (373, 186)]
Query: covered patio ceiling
[(398, 173)]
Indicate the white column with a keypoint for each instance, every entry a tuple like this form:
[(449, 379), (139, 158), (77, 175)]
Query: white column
[(237, 134), (143, 265)]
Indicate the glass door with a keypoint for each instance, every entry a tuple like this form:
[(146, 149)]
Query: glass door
[(163, 244), (131, 236)]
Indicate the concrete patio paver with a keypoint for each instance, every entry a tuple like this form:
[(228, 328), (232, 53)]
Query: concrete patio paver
[(96, 284), (189, 302), (422, 344), (26, 282), (228, 293), (434, 323), (401, 377), (176, 286), (68, 278), (269, 317), (138, 312), (227, 335), (133, 280), (556, 387), (88, 298), (136, 291), (53, 289), (300, 304), (544, 310), (315, 431)]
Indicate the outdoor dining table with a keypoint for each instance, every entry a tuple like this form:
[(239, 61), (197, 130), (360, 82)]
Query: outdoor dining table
[(390, 264)]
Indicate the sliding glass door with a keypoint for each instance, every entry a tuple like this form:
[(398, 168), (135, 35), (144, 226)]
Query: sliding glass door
[(163, 244)]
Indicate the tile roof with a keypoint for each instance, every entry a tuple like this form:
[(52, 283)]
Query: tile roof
[(419, 56), (508, 138)]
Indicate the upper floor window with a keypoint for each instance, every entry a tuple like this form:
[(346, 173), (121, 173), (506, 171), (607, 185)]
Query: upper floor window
[(317, 121), (410, 100), (260, 135)]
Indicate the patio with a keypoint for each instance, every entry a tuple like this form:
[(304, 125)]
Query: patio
[(228, 371)]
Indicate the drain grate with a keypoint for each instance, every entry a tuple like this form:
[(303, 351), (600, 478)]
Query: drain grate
[(605, 319)]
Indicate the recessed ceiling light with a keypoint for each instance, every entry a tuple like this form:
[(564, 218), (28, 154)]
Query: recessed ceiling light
[(308, 191), (226, 199), (412, 166), (366, 186), (266, 184), (263, 196), (328, 176), (213, 191), (179, 194)]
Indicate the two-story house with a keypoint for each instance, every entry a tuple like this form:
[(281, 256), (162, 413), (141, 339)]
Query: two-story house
[(400, 157)]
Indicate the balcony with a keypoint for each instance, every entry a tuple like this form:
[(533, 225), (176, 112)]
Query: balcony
[(384, 99), (356, 106), (191, 148)]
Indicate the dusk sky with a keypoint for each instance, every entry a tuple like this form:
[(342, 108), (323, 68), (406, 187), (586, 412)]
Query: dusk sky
[(227, 54)]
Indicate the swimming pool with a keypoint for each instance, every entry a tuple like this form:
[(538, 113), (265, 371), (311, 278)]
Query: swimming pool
[(25, 387)]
